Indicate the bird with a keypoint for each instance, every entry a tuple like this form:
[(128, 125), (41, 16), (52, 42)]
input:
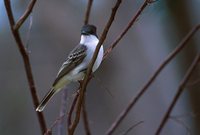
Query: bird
[(75, 66)]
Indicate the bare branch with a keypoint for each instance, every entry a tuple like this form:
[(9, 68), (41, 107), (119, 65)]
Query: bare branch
[(49, 130), (27, 64), (129, 25), (23, 18), (179, 92), (133, 126), (123, 114), (87, 14), (86, 78), (86, 20)]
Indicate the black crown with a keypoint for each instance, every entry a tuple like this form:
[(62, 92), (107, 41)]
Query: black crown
[(88, 30)]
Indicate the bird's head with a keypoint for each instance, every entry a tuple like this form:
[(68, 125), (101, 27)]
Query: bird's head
[(88, 30)]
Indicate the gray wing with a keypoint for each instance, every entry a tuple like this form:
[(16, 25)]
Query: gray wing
[(75, 57)]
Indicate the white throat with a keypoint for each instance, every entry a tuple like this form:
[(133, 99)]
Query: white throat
[(89, 39)]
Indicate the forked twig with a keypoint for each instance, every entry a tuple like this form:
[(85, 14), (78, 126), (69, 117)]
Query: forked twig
[(129, 25), (27, 12)]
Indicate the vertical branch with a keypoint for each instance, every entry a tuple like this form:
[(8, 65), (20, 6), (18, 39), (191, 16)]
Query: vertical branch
[(178, 93), (84, 111), (86, 78), (87, 14), (26, 62), (123, 114)]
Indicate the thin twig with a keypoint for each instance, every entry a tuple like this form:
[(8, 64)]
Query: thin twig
[(85, 119), (87, 14), (131, 128), (182, 123), (23, 18), (123, 114), (128, 26), (27, 64), (86, 78), (103, 86), (49, 130), (63, 110), (179, 92)]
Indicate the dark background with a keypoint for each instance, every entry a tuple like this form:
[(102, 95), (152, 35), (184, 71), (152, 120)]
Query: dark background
[(56, 30)]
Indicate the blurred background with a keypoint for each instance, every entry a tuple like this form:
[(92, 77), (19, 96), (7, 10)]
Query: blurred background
[(54, 33)]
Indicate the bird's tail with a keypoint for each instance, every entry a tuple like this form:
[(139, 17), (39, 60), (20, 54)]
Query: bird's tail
[(45, 100)]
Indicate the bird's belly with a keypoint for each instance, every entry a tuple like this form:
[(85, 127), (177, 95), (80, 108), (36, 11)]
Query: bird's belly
[(73, 76), (76, 76)]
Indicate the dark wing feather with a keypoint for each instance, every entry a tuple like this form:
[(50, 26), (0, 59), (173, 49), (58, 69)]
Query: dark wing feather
[(75, 57)]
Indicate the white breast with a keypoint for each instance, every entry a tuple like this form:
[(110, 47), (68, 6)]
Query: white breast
[(91, 42)]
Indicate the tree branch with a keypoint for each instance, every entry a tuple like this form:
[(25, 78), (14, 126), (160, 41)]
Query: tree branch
[(87, 14), (132, 127), (123, 114), (86, 78), (179, 92), (84, 111), (49, 130), (27, 64), (23, 18), (129, 25)]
